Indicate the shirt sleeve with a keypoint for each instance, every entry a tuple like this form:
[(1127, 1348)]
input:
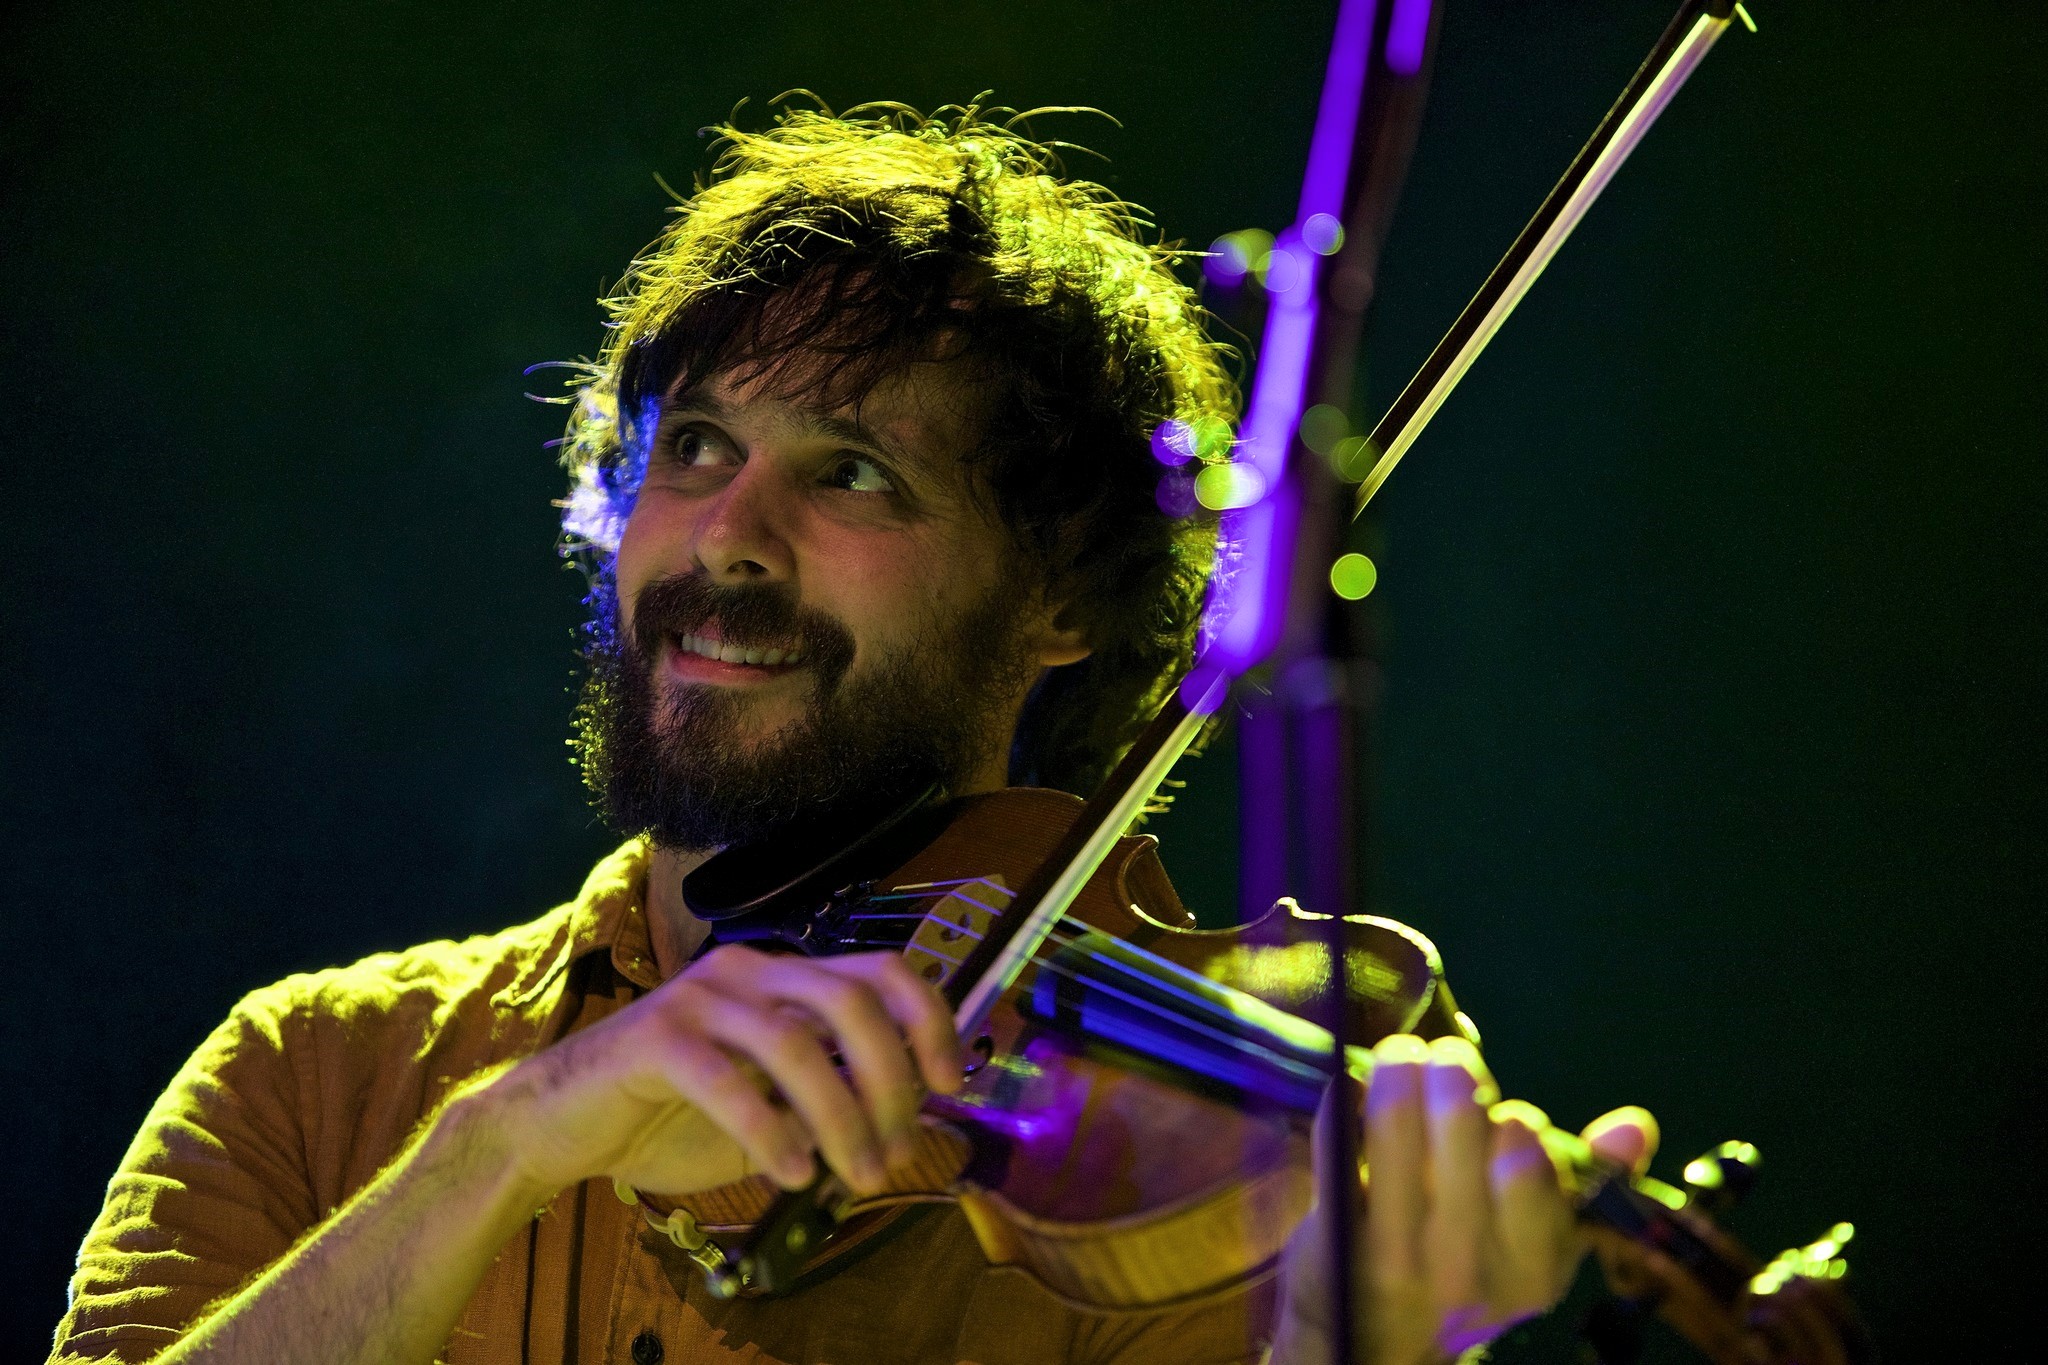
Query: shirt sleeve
[(213, 1189)]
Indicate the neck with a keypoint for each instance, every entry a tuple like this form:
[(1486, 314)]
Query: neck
[(675, 933)]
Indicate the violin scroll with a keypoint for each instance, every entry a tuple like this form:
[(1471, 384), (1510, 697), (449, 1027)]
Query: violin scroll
[(1664, 1255)]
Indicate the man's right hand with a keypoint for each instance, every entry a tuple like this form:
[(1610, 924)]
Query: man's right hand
[(727, 1069)]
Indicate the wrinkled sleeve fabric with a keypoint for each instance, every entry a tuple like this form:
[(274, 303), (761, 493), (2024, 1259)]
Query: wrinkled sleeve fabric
[(214, 1188)]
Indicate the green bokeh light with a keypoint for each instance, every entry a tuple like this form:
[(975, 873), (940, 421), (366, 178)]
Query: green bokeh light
[(1322, 427), (1353, 576), (1351, 458), (1224, 486)]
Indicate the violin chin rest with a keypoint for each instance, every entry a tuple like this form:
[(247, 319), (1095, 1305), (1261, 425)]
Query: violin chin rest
[(800, 865)]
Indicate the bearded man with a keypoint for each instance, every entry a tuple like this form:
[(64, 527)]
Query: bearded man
[(863, 482)]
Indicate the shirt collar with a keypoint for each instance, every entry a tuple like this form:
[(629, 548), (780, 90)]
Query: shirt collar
[(611, 915)]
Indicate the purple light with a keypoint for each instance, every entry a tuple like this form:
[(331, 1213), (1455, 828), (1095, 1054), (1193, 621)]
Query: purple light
[(1284, 270), (1176, 495), (1321, 233), (1329, 148), (1226, 265), (1407, 32), (1247, 607), (1173, 443)]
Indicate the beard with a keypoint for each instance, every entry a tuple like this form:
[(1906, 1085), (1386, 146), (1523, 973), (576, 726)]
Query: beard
[(669, 763)]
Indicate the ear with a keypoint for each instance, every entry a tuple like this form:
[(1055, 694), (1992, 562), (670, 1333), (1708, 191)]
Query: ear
[(1054, 639)]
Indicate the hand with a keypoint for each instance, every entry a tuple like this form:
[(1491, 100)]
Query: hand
[(1467, 1229), (726, 1069)]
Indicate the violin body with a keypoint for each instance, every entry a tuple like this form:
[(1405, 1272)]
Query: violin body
[(1071, 1153)]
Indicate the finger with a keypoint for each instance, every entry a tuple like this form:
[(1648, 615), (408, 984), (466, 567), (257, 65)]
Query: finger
[(797, 1066), (918, 1009), (1532, 1216), (1627, 1136), (710, 1078), (867, 1037), (1459, 1225), (1397, 1156)]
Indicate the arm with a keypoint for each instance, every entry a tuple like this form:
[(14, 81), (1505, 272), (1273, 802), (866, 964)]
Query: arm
[(1467, 1230), (386, 1278), (722, 1070)]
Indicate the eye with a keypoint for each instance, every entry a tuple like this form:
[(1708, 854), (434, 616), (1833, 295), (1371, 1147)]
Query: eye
[(697, 446), (858, 474)]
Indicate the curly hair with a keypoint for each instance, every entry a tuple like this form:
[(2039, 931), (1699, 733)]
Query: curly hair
[(900, 237)]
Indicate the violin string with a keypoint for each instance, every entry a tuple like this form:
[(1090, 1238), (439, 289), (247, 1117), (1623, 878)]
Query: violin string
[(1232, 1039), (1058, 938), (1587, 1168)]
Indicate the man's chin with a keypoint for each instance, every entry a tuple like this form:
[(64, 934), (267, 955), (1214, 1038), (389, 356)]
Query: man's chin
[(746, 732)]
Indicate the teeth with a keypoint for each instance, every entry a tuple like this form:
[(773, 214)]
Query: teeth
[(733, 654)]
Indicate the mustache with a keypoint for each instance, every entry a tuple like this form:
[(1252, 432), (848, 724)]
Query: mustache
[(752, 616)]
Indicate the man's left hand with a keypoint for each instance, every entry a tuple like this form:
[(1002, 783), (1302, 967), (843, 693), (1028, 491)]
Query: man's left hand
[(1467, 1230)]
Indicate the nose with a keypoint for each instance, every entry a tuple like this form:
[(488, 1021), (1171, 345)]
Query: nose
[(739, 537)]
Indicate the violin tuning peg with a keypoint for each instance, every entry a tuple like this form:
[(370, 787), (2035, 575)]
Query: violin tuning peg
[(1817, 1260), (1723, 1178)]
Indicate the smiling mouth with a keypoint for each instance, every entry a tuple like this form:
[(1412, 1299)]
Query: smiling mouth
[(705, 647)]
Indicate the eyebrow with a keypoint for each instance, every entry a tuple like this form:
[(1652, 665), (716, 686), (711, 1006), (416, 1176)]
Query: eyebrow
[(811, 422)]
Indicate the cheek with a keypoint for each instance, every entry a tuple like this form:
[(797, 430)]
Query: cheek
[(648, 545), (891, 596)]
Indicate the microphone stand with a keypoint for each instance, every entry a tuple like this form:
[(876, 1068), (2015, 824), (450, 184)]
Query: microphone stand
[(1283, 602)]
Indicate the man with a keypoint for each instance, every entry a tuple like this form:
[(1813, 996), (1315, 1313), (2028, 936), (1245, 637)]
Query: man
[(863, 482)]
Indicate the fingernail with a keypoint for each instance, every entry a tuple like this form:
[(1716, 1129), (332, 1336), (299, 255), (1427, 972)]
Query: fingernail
[(1637, 1115), (1457, 1050), (1400, 1049), (1519, 1111)]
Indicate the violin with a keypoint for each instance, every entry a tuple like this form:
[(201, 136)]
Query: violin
[(1134, 1128)]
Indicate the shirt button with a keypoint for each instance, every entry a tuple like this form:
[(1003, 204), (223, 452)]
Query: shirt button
[(647, 1349)]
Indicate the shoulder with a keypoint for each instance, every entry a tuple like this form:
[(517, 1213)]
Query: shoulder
[(353, 1057), (429, 977), (435, 984)]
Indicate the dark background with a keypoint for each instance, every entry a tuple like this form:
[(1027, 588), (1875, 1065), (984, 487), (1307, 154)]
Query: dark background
[(1711, 741)]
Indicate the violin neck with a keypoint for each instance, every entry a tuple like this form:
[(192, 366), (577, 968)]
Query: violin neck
[(1650, 1214)]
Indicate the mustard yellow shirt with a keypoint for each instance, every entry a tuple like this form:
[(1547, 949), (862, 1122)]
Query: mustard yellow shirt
[(314, 1084)]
